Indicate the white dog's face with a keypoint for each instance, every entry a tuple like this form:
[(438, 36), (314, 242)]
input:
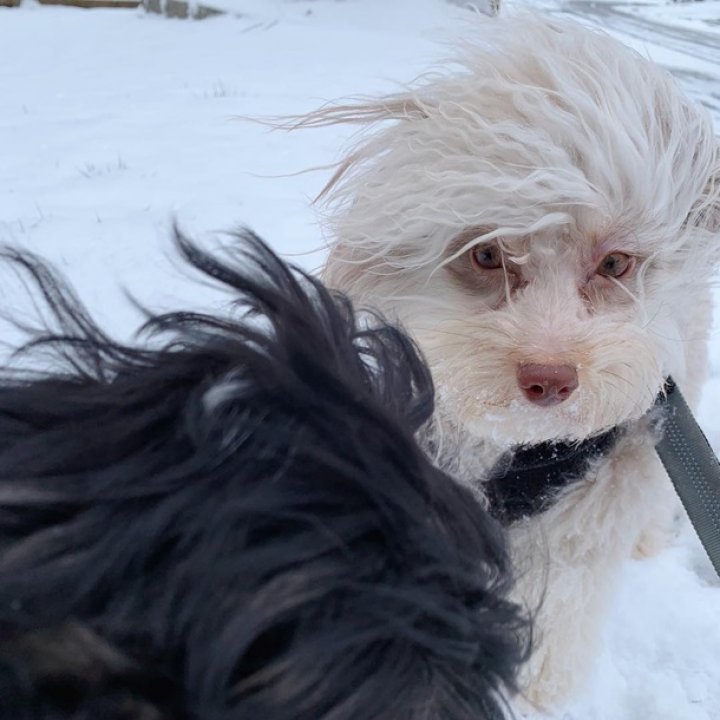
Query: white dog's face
[(543, 222), (540, 338)]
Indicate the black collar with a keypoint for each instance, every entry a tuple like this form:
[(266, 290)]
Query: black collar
[(525, 481)]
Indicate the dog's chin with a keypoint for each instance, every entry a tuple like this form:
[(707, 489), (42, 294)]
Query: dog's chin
[(519, 422)]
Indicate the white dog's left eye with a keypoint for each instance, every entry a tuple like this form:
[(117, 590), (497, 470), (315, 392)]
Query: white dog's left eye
[(487, 257), (616, 265)]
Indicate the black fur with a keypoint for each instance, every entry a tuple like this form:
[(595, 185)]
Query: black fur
[(232, 521)]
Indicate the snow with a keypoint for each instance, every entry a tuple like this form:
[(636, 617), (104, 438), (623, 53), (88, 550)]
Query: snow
[(114, 122)]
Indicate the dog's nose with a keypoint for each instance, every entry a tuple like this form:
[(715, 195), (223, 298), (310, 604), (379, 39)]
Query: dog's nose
[(547, 385)]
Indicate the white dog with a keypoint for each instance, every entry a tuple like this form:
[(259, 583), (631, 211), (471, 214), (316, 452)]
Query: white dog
[(543, 215)]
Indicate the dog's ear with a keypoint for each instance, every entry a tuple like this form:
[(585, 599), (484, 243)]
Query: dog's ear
[(345, 268)]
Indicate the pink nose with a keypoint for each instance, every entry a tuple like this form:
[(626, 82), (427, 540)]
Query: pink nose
[(547, 385)]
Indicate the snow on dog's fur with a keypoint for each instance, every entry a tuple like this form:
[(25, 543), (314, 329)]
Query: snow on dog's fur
[(547, 200)]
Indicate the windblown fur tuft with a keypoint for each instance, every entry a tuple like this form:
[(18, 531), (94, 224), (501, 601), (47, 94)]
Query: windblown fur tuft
[(234, 520)]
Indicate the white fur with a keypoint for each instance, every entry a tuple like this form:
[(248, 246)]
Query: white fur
[(562, 145)]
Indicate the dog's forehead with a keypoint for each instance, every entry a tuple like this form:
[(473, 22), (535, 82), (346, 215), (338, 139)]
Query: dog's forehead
[(560, 121), (559, 245), (557, 175)]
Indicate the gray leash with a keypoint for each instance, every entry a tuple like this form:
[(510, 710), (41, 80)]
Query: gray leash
[(693, 468)]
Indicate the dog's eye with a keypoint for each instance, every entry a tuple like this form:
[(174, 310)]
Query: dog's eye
[(616, 265), (487, 257)]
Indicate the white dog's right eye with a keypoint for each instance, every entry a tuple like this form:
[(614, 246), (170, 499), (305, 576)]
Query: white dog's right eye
[(616, 265), (487, 257)]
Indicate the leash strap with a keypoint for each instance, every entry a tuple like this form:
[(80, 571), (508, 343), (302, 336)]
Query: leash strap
[(693, 468)]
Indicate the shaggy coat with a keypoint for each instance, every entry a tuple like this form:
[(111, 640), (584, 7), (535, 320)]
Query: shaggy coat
[(547, 199), (233, 520)]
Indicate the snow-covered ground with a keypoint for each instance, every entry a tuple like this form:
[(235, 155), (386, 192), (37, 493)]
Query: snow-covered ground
[(112, 122)]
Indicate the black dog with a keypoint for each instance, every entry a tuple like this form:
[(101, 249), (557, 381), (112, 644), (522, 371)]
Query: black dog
[(234, 522)]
